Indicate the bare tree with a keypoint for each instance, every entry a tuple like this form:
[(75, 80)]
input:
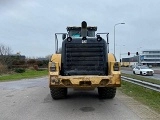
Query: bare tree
[(48, 57), (5, 50)]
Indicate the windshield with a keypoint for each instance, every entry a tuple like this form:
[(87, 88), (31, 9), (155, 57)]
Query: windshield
[(74, 33), (77, 33), (91, 33)]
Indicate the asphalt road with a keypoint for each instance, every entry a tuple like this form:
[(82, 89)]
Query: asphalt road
[(155, 76), (31, 100)]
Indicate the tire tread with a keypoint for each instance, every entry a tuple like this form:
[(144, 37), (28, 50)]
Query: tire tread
[(107, 92), (58, 93)]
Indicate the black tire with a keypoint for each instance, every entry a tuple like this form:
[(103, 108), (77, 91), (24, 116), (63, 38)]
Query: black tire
[(58, 93), (140, 72), (133, 72), (106, 92)]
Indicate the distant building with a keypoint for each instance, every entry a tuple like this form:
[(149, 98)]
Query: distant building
[(151, 57), (130, 61), (147, 57)]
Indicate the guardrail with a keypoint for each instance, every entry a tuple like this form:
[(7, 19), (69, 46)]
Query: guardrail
[(142, 83)]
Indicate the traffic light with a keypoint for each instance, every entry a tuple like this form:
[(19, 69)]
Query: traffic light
[(128, 53), (120, 60), (136, 53)]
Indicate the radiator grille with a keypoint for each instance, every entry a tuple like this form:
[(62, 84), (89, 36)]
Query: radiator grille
[(84, 59)]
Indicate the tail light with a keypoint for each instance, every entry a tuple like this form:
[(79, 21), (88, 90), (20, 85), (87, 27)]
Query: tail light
[(116, 66), (53, 67)]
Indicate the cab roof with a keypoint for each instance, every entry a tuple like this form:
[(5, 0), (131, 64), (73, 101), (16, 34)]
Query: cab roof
[(79, 28)]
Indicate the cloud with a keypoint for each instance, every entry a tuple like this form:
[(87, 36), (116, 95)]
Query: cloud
[(29, 25)]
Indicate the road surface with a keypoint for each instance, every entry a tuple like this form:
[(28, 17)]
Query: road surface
[(31, 100), (129, 71)]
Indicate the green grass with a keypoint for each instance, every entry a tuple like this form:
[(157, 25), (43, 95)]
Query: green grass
[(148, 97), (142, 78), (27, 74)]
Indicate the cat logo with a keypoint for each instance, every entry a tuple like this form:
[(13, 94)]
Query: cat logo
[(84, 41)]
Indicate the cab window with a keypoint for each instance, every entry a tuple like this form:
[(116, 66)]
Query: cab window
[(74, 33)]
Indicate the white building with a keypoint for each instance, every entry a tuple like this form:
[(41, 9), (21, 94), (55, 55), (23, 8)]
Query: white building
[(150, 57)]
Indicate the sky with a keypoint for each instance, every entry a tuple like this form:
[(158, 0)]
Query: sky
[(28, 26)]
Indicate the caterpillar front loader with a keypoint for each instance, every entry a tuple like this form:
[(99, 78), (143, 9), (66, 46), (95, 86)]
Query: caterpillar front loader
[(83, 62)]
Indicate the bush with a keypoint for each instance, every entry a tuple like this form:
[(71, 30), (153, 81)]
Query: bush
[(3, 68), (19, 70), (35, 67)]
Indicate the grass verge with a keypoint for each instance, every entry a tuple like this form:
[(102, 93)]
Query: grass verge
[(27, 74), (142, 78), (148, 97)]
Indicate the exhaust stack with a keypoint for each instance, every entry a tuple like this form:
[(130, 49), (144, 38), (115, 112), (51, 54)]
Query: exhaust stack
[(84, 30)]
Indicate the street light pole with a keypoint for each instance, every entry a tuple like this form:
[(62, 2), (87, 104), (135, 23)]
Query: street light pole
[(114, 35), (120, 50)]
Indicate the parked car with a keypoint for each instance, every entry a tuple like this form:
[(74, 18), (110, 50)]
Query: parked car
[(143, 70)]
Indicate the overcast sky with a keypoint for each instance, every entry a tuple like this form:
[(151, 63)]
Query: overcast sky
[(28, 26)]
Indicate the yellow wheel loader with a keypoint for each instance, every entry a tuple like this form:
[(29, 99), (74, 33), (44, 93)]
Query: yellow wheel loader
[(83, 62)]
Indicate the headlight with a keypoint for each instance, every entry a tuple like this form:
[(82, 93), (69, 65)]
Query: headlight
[(99, 38), (69, 39)]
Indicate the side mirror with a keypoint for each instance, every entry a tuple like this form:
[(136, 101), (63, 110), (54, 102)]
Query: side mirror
[(63, 36)]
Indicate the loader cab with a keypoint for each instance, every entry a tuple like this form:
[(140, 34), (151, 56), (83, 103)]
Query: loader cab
[(76, 31)]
